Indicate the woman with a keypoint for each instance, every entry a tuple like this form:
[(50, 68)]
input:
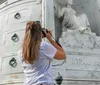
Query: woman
[(37, 55)]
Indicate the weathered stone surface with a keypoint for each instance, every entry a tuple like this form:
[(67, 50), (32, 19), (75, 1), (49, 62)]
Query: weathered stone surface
[(82, 66), (75, 39)]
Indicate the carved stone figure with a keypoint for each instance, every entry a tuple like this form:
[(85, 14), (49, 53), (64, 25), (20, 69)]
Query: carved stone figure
[(69, 19), (76, 32)]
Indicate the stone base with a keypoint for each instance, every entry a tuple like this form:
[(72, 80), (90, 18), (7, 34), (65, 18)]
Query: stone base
[(82, 66)]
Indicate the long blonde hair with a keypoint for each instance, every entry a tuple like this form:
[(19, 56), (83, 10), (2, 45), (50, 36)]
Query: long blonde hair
[(31, 43)]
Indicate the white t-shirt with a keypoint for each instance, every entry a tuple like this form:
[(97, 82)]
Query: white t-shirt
[(41, 71)]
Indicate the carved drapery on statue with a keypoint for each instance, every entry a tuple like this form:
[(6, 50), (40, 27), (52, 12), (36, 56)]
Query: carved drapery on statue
[(76, 32), (71, 21)]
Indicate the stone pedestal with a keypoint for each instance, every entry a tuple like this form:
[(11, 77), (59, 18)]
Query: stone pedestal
[(82, 66)]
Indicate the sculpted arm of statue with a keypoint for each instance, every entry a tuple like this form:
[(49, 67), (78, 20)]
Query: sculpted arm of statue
[(60, 12)]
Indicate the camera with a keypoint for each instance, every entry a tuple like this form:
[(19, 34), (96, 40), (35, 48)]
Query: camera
[(43, 29), (44, 35)]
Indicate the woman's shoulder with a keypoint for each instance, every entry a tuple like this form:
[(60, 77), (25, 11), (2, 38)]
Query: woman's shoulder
[(48, 49), (44, 44)]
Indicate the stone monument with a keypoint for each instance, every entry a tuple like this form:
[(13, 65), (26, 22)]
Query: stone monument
[(76, 28), (82, 47), (70, 21)]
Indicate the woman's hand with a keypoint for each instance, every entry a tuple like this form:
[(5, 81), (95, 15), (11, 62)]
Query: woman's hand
[(48, 34)]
